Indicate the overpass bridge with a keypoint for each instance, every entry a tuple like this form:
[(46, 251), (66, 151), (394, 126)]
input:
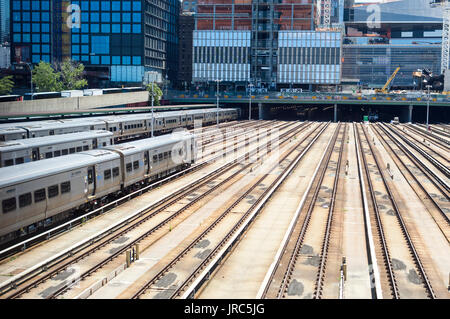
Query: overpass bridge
[(403, 105)]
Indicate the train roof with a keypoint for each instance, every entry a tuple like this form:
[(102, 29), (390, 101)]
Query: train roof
[(12, 175), (51, 140), (150, 143)]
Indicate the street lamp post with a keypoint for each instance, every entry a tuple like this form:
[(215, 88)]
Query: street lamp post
[(250, 102), (428, 105), (153, 92), (217, 95)]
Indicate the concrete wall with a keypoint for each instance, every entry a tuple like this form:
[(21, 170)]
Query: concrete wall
[(73, 103)]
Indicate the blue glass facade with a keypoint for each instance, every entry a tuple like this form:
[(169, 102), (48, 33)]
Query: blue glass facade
[(104, 35)]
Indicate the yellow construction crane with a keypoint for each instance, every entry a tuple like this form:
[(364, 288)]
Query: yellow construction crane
[(385, 87)]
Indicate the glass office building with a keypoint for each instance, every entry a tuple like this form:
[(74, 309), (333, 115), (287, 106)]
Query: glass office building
[(408, 36), (117, 41)]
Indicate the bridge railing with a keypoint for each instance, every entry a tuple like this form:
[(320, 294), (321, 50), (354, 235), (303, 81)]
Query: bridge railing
[(309, 96)]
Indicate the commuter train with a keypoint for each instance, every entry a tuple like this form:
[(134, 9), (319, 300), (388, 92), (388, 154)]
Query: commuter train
[(44, 192), (34, 149), (122, 126)]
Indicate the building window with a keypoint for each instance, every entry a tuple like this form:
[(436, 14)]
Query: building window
[(95, 6), (84, 17), (85, 58), (26, 27), (85, 49), (16, 37), (95, 60), (95, 28), (26, 38), (26, 16), (26, 5), (116, 28), (75, 49), (16, 27), (136, 17), (84, 38), (116, 17), (35, 59), (95, 17), (45, 5), (106, 60), (36, 48), (116, 60), (36, 16), (35, 5), (45, 27), (116, 6), (106, 28), (126, 60), (85, 27), (75, 38), (45, 38), (45, 48), (106, 6), (16, 5), (126, 28), (45, 17), (100, 44), (136, 6), (36, 38), (136, 28), (106, 17), (136, 60), (126, 17), (126, 6)]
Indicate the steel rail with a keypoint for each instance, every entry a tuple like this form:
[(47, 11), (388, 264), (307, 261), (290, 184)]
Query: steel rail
[(387, 258), (299, 241), (210, 227), (11, 283), (402, 223), (324, 252)]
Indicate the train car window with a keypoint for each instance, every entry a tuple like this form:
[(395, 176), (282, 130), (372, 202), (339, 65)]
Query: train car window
[(180, 152), (107, 174), (115, 171), (65, 152), (166, 155), (9, 205), (25, 200), (85, 147), (115, 128), (57, 153), (53, 191), (129, 167), (104, 144), (90, 176), (72, 150), (39, 195), (155, 158), (92, 127), (65, 187), (79, 148), (2, 138), (110, 129), (49, 155), (51, 132), (170, 154), (135, 164), (160, 156), (19, 160), (9, 162)]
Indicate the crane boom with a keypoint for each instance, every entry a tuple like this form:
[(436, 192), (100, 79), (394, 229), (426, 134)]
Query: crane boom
[(385, 87)]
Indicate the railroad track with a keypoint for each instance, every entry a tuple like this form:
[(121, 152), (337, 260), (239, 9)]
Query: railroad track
[(441, 169), (230, 223), (139, 219), (444, 137), (281, 276), (436, 140), (386, 209), (441, 152), (425, 187), (60, 228)]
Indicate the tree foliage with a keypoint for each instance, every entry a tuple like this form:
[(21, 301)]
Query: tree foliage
[(6, 85), (156, 92), (72, 75), (46, 79)]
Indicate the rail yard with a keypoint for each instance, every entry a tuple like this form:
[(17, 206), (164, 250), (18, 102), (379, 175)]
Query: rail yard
[(268, 209)]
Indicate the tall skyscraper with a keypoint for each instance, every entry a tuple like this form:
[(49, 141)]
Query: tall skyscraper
[(117, 41), (268, 43), (4, 21)]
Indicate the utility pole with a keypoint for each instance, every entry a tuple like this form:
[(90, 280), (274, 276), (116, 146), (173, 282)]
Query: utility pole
[(153, 81), (428, 105), (217, 94), (250, 102)]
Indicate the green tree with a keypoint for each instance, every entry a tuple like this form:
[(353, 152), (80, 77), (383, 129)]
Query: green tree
[(6, 85), (46, 78), (72, 75), (156, 92)]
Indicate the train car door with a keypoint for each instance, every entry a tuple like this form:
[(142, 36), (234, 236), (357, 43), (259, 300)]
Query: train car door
[(91, 180), (120, 128), (147, 162), (35, 154), (94, 143)]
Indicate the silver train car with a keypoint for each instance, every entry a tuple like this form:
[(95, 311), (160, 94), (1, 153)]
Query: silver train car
[(122, 126), (27, 150), (44, 192)]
